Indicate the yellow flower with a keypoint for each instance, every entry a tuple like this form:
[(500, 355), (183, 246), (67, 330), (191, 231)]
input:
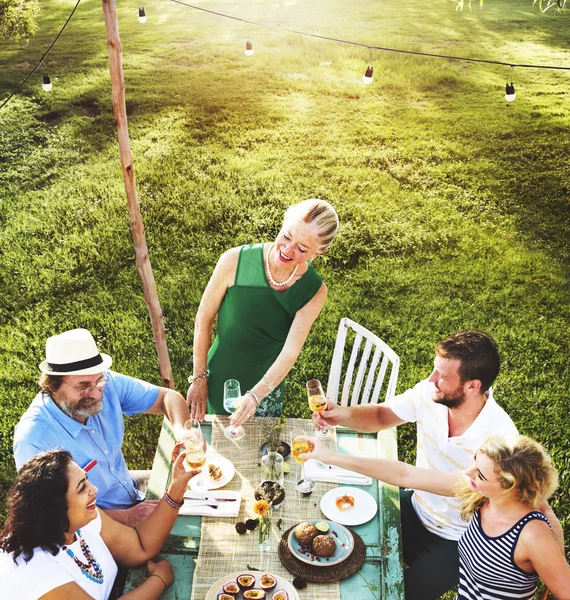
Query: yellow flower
[(261, 507)]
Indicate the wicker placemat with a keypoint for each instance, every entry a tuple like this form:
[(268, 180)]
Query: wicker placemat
[(222, 550), (336, 572)]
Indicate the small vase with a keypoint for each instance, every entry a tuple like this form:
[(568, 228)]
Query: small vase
[(271, 468), (265, 532)]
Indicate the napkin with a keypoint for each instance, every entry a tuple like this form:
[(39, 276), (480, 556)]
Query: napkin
[(196, 503), (318, 471)]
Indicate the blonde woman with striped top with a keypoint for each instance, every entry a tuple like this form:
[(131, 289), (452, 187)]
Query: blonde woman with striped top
[(508, 544)]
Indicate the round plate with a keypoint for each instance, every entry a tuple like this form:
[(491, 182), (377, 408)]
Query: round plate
[(364, 508), (284, 449), (228, 471), (282, 584), (344, 546)]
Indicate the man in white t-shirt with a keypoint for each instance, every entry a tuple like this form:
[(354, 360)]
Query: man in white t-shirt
[(455, 413)]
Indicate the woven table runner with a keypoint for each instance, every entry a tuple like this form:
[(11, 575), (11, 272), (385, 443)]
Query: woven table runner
[(222, 549)]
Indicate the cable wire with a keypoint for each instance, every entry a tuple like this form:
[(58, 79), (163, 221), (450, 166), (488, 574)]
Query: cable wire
[(382, 48), (41, 59)]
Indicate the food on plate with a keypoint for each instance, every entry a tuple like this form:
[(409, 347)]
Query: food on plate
[(224, 596), (267, 582), (322, 526), (324, 545), (231, 588), (280, 595), (255, 593), (305, 532), (215, 472), (271, 491), (344, 503), (245, 581)]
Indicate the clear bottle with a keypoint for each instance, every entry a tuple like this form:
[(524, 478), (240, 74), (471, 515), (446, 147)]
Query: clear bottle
[(271, 467)]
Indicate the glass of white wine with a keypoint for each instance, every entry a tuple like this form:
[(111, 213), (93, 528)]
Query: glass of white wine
[(195, 454), (317, 403), (300, 446), (232, 394)]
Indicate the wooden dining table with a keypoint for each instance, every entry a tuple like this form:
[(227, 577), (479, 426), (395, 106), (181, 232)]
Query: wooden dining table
[(381, 576)]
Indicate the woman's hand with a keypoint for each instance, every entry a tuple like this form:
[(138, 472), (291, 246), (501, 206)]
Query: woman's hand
[(196, 399), (162, 568), (247, 407), (180, 476)]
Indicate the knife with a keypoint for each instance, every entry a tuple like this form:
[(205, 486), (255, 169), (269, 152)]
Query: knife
[(208, 499)]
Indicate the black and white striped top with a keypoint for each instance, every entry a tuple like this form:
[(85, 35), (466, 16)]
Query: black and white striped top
[(487, 570)]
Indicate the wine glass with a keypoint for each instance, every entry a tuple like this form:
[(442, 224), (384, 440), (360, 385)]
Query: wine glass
[(299, 446), (317, 403), (195, 454), (232, 393)]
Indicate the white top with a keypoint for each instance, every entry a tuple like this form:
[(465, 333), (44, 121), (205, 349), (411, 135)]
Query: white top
[(436, 450), (44, 572)]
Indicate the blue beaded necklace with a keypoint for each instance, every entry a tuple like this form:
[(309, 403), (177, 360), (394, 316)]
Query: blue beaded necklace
[(92, 570)]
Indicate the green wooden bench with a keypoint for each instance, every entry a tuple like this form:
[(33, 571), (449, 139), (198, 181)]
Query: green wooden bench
[(381, 576)]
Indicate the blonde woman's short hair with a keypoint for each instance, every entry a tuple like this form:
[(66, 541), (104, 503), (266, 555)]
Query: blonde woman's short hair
[(521, 465), (320, 214)]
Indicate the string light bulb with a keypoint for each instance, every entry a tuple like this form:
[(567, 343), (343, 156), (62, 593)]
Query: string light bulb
[(249, 49), (142, 15), (46, 83), (510, 92), (367, 77)]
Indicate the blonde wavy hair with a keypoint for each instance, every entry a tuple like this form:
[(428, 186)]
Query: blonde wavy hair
[(521, 466)]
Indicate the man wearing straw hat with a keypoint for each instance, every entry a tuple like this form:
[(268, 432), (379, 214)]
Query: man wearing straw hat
[(80, 408)]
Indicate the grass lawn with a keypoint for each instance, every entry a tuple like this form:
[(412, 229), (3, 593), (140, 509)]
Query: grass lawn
[(453, 203)]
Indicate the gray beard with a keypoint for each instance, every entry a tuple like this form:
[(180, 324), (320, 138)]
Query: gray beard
[(79, 411)]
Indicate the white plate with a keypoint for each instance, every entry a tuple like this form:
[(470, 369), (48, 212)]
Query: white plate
[(228, 471), (282, 584), (364, 508)]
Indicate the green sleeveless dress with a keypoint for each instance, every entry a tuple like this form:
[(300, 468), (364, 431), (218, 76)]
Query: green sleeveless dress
[(253, 324)]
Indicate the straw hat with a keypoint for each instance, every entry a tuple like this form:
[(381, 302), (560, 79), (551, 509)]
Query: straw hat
[(74, 353)]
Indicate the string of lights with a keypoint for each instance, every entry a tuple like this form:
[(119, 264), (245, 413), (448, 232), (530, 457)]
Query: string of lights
[(366, 79), (46, 79), (370, 47)]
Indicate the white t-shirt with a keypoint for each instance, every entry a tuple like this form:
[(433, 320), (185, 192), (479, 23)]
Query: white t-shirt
[(45, 572), (436, 450)]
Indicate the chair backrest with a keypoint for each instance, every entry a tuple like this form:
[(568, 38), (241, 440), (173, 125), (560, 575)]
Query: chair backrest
[(362, 373)]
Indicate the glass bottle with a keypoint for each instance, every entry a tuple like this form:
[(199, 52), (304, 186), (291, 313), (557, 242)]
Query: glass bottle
[(271, 467)]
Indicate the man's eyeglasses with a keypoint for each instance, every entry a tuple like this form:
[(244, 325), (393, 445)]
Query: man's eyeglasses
[(87, 390)]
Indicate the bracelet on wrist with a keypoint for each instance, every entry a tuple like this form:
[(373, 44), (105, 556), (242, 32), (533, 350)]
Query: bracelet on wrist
[(160, 577), (254, 396), (173, 503), (194, 378)]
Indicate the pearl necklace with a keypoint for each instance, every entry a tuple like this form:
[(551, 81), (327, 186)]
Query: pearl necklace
[(270, 277), (92, 570)]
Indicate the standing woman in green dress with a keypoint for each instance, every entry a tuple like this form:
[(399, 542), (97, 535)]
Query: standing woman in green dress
[(266, 297)]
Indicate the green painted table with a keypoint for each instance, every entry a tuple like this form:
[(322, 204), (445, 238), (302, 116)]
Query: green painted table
[(381, 576)]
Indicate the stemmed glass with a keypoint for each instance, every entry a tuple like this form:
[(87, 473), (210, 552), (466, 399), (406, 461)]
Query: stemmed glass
[(299, 446), (195, 455), (232, 393), (317, 403)]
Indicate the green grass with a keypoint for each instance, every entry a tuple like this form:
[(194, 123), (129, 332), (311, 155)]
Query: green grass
[(453, 204)]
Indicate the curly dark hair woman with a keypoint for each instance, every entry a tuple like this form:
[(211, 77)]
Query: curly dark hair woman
[(37, 506)]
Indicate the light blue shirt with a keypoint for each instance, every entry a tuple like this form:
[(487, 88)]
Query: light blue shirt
[(44, 426)]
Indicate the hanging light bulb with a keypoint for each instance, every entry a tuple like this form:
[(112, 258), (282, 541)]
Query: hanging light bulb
[(46, 83), (248, 49), (142, 15), (367, 77), (510, 92)]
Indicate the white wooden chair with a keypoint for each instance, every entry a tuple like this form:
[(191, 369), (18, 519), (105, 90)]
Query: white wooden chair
[(363, 374)]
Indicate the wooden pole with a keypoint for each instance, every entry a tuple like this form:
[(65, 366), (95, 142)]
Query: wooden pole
[(137, 227)]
